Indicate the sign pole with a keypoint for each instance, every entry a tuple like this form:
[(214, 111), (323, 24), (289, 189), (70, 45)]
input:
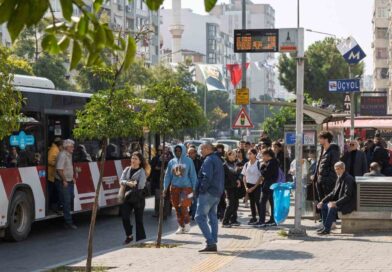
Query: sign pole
[(243, 55), (352, 97), (298, 230)]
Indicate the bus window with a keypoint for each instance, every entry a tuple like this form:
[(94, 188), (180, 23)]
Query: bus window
[(23, 148), (86, 151)]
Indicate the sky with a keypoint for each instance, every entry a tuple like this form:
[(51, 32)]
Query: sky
[(342, 18)]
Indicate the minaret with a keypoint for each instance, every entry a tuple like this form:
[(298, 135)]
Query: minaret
[(176, 29)]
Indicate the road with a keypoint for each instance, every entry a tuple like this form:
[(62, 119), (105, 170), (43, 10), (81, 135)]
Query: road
[(50, 244)]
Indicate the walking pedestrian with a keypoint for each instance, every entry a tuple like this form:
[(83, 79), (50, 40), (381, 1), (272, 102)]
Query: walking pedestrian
[(252, 179), (209, 189), (181, 174), (134, 178), (65, 181), (232, 187)]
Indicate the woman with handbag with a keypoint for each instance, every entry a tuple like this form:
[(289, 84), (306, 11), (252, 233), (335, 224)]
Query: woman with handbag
[(133, 183)]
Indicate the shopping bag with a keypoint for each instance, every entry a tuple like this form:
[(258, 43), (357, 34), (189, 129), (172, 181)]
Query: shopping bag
[(281, 197)]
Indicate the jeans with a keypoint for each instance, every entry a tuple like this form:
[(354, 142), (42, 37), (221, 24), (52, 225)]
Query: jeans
[(267, 196), (231, 210), (126, 211), (207, 206), (254, 198), (59, 189), (328, 216), (68, 197)]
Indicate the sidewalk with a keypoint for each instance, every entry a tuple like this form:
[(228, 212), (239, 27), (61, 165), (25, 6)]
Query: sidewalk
[(247, 249)]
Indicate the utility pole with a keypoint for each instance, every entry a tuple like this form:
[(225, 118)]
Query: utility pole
[(352, 105), (243, 56), (298, 230)]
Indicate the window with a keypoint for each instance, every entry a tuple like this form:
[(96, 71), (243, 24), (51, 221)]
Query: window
[(382, 73), (211, 45), (381, 53), (381, 33), (382, 12), (16, 150)]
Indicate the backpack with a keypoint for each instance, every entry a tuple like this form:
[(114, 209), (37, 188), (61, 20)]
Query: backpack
[(281, 176)]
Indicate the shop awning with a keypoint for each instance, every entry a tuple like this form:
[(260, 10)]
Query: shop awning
[(371, 122)]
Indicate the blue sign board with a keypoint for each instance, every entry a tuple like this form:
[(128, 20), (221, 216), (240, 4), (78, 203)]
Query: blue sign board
[(22, 140), (355, 55), (344, 85), (289, 138)]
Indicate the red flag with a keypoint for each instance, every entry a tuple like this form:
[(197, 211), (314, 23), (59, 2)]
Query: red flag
[(235, 72)]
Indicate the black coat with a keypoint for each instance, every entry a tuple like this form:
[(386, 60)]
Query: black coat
[(326, 175), (344, 194), (231, 175), (360, 164), (381, 156), (270, 173)]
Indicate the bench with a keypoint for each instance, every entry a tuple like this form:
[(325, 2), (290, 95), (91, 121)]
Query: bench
[(374, 206)]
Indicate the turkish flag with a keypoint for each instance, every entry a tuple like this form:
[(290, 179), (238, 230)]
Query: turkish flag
[(235, 72)]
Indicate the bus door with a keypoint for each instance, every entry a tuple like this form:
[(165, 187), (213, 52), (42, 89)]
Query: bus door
[(57, 127)]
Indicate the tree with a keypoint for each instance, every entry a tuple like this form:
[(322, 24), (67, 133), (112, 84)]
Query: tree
[(274, 125), (52, 67), (11, 100), (175, 110), (88, 35), (322, 62)]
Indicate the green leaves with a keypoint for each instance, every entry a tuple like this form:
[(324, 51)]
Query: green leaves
[(154, 4), (209, 4), (6, 7), (16, 22), (130, 53), (111, 114), (37, 11), (66, 6), (76, 54), (10, 99)]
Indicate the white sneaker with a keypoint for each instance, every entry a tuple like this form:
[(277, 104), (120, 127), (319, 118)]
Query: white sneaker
[(333, 227), (187, 228), (180, 230)]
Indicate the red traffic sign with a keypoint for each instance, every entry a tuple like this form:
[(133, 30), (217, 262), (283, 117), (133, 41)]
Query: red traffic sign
[(242, 120)]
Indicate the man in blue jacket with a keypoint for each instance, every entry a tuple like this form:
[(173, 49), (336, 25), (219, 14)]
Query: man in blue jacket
[(181, 175), (210, 187)]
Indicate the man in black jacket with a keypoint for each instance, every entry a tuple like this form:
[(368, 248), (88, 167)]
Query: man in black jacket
[(325, 176), (355, 160), (342, 199)]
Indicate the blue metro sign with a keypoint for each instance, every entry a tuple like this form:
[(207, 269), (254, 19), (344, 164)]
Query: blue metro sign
[(22, 140), (351, 51)]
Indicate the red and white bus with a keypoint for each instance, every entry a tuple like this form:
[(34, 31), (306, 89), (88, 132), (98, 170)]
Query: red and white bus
[(50, 113)]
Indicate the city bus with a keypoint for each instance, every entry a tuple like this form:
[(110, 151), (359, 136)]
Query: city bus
[(49, 113)]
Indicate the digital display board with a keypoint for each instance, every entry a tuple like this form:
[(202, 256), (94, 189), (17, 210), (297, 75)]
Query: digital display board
[(256, 40)]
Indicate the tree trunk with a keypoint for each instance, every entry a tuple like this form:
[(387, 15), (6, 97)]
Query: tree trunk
[(95, 208), (161, 198)]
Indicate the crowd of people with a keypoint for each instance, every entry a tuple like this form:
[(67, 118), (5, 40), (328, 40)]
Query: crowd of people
[(208, 187)]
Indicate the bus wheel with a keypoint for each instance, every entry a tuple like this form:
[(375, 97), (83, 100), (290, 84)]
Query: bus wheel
[(20, 217)]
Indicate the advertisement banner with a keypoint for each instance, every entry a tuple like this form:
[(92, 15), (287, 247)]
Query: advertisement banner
[(212, 76)]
